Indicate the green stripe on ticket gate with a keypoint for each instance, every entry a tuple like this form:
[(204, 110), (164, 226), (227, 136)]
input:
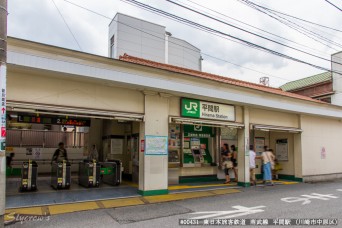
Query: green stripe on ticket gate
[(107, 171)]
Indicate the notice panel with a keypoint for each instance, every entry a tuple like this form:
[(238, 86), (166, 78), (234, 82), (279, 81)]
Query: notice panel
[(156, 145)]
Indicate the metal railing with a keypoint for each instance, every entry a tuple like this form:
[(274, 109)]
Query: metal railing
[(45, 139)]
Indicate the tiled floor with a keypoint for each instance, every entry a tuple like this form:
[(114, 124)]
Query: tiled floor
[(48, 196)]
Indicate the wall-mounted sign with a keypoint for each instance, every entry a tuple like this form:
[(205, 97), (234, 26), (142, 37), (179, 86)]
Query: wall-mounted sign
[(116, 146), (156, 145), (142, 145), (282, 152), (207, 110), (53, 120), (198, 131), (323, 153)]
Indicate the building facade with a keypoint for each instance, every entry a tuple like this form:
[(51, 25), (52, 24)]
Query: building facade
[(318, 87), (136, 37), (166, 123)]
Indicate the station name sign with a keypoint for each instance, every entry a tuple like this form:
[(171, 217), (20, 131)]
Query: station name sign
[(206, 110)]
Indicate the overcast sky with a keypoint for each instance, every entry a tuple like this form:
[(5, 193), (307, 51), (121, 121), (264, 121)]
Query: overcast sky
[(39, 20)]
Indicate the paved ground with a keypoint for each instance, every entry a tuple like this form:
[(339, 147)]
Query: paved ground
[(321, 200)]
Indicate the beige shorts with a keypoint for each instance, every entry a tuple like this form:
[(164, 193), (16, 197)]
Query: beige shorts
[(252, 174)]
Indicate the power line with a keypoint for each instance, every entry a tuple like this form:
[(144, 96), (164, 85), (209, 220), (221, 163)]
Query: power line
[(155, 10), (205, 54), (67, 26), (333, 5), (262, 30), (301, 19), (260, 36), (292, 24)]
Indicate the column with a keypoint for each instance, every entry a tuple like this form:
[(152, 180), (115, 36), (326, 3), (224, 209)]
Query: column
[(243, 154), (297, 152), (153, 169)]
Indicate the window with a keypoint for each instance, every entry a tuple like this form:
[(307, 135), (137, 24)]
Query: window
[(112, 41)]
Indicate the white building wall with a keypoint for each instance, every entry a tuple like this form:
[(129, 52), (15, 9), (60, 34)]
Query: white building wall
[(336, 98), (319, 132), (138, 38), (30, 88), (147, 40), (183, 54)]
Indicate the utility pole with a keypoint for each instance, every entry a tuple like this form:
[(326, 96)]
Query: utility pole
[(3, 72)]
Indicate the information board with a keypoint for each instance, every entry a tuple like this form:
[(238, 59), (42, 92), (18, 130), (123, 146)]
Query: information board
[(282, 152), (116, 146), (156, 145)]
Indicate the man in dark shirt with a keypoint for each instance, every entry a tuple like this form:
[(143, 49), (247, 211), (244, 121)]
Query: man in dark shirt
[(9, 160), (60, 153)]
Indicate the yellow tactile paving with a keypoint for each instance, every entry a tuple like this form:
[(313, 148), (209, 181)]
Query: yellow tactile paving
[(26, 211), (130, 184), (67, 208), (178, 196), (122, 202), (178, 187), (224, 191), (285, 182)]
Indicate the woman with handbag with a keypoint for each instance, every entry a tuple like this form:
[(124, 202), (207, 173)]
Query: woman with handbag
[(226, 161), (268, 163)]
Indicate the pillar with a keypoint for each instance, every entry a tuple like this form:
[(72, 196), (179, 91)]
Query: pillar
[(243, 154), (153, 169), (297, 152)]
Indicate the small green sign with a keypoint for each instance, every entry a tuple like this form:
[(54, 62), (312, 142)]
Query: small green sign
[(190, 108), (3, 146)]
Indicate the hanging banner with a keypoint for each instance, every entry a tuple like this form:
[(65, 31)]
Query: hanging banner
[(207, 110)]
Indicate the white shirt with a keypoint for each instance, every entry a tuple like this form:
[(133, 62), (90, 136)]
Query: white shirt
[(252, 155)]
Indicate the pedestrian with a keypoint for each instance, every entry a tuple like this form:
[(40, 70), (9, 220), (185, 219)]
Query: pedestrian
[(9, 160), (235, 161), (226, 162), (262, 164), (60, 153), (277, 168), (252, 156), (268, 162), (93, 154)]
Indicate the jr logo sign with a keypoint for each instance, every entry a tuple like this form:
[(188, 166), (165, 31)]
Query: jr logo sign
[(207, 110), (191, 108)]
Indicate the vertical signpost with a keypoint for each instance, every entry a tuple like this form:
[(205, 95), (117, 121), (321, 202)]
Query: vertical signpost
[(3, 60)]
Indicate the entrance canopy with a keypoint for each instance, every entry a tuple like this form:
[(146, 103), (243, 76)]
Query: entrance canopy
[(210, 123), (276, 128), (72, 111)]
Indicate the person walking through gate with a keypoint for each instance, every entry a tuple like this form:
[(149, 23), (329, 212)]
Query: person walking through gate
[(93, 154), (235, 161), (60, 153), (226, 159), (252, 156), (268, 161)]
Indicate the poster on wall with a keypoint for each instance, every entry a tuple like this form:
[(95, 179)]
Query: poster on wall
[(259, 143), (37, 153), (156, 145), (282, 153), (116, 146)]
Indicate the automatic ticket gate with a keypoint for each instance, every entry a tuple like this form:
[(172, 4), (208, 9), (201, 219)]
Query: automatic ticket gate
[(29, 172), (61, 175), (89, 173), (111, 172)]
